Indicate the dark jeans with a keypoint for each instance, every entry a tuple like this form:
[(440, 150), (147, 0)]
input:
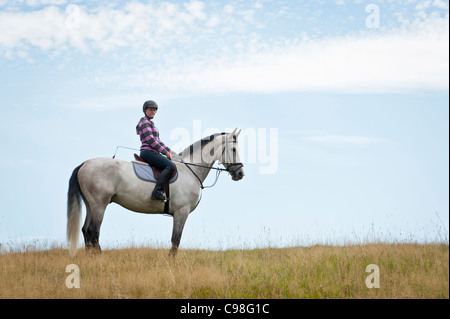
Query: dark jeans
[(157, 160)]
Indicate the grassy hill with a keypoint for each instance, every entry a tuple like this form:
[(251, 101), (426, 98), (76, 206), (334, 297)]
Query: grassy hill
[(406, 271)]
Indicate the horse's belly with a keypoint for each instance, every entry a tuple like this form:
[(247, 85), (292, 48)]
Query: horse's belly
[(139, 206)]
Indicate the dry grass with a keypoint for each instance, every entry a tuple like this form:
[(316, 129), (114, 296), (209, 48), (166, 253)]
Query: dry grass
[(406, 271)]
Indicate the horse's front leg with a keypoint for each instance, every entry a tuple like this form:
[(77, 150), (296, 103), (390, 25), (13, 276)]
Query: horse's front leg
[(179, 220)]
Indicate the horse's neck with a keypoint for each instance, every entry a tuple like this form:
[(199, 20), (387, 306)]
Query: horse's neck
[(204, 161)]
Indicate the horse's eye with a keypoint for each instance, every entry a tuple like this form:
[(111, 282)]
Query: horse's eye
[(234, 149)]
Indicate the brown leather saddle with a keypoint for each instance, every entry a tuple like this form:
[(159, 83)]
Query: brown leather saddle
[(156, 171)]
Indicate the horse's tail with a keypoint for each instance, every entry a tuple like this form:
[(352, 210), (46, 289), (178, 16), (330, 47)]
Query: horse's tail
[(73, 211)]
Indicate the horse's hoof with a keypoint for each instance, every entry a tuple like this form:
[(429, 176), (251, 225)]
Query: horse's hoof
[(93, 250), (173, 253)]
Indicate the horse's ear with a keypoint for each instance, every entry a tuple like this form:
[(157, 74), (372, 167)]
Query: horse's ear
[(234, 132), (237, 133)]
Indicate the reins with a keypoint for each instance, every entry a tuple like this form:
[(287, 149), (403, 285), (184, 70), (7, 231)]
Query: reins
[(217, 169), (218, 172)]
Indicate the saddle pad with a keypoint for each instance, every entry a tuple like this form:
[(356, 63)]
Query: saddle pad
[(145, 173)]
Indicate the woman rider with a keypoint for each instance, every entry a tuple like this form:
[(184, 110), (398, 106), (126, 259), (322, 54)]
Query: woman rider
[(153, 150)]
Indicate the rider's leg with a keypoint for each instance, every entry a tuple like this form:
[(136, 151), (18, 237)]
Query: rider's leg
[(166, 165)]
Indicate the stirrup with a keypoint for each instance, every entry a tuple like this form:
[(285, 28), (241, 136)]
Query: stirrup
[(159, 196)]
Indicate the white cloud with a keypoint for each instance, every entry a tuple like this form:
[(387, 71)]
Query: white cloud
[(423, 5), (426, 4), (400, 61), (35, 3), (52, 28), (189, 47), (195, 8), (440, 4)]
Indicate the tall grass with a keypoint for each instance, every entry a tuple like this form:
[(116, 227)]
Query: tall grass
[(406, 271)]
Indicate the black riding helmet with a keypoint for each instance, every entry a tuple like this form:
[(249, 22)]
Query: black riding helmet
[(149, 104)]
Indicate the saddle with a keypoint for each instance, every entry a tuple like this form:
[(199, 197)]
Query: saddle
[(141, 168), (156, 171)]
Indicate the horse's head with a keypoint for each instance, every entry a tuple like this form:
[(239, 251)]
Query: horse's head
[(231, 158)]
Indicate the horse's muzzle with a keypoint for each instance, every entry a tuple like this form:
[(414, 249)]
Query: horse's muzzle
[(236, 171), (238, 175)]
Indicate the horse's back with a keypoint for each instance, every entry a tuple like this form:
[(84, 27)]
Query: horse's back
[(102, 166), (101, 173)]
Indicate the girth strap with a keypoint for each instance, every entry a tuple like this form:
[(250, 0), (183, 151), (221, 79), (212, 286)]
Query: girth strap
[(166, 204)]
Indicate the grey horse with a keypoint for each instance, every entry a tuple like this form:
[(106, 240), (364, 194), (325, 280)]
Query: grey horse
[(102, 181)]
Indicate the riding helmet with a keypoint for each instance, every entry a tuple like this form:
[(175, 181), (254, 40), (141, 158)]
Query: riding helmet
[(149, 104)]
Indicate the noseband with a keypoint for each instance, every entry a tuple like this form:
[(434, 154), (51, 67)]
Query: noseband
[(230, 166)]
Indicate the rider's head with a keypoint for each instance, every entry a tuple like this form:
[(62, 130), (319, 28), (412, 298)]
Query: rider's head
[(150, 108)]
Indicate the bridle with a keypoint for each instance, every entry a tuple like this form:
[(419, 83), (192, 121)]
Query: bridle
[(228, 168), (217, 169)]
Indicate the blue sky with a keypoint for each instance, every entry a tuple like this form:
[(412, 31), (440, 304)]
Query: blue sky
[(360, 108)]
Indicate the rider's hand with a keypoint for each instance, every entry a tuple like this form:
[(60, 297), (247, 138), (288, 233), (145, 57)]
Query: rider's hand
[(169, 155)]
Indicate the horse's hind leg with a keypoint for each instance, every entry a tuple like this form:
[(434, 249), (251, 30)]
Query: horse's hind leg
[(91, 228), (86, 234), (97, 187)]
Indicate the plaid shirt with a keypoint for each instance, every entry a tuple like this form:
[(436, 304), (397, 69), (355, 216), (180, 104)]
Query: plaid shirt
[(149, 135)]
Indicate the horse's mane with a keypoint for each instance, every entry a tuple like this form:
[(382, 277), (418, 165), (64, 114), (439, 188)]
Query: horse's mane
[(199, 144)]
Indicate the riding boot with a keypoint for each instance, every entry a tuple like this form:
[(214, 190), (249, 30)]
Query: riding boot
[(162, 180)]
